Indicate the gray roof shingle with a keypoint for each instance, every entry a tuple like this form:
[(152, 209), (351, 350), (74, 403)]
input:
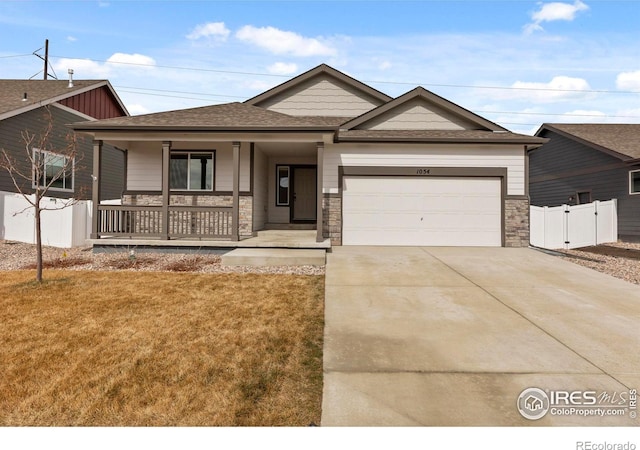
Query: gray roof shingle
[(227, 116)]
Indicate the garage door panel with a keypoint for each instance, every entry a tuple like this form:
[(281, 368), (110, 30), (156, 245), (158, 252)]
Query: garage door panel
[(422, 211)]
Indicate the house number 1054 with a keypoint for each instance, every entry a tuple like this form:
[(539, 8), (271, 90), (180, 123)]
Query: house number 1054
[(423, 171)]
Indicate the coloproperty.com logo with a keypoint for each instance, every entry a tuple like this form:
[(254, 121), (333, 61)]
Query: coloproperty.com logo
[(535, 403)]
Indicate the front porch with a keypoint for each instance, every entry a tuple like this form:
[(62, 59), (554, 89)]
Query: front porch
[(213, 193)]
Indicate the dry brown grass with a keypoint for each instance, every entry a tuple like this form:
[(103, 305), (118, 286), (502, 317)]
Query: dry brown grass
[(161, 349)]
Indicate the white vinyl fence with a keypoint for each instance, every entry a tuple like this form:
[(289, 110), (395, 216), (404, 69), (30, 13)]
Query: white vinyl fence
[(566, 227), (65, 228)]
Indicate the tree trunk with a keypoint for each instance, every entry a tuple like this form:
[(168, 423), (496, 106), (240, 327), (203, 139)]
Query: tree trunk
[(38, 243)]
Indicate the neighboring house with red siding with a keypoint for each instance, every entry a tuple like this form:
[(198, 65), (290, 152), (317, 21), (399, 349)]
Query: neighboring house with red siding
[(25, 106)]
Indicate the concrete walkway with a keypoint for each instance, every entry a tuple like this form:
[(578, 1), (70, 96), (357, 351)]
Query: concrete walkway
[(452, 336)]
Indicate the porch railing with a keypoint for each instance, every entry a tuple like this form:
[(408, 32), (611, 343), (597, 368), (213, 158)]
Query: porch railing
[(148, 221)]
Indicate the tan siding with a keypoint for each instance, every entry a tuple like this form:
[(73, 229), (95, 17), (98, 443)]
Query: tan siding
[(425, 156), (322, 97), (144, 166), (416, 115), (224, 167), (260, 189)]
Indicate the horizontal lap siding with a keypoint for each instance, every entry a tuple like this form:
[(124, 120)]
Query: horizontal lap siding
[(420, 156), (553, 178), (36, 121), (322, 97), (415, 115), (144, 165)]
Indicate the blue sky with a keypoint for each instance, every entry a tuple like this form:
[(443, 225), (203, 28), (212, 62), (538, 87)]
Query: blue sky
[(519, 63)]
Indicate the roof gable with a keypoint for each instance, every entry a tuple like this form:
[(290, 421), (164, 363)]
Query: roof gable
[(45, 92), (619, 140), (420, 109), (322, 91)]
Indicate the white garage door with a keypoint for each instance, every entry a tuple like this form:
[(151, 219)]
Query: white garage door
[(435, 211)]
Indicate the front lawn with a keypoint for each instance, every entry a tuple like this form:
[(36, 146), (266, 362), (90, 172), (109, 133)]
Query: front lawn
[(160, 349)]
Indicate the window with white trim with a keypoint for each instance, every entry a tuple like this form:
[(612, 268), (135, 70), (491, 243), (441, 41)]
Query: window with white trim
[(634, 182), (191, 171), (53, 171)]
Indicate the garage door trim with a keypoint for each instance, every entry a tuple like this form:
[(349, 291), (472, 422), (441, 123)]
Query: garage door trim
[(426, 172)]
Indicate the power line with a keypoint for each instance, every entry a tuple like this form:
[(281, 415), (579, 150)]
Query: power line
[(407, 83)]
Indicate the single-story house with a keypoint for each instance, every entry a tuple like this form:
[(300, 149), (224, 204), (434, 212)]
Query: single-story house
[(326, 151), (29, 105), (582, 163)]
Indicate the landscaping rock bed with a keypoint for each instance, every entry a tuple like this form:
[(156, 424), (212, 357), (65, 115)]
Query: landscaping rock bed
[(618, 259), (20, 256)]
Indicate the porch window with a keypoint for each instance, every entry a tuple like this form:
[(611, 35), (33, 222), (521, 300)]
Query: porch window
[(191, 171), (634, 182), (282, 187), (52, 170)]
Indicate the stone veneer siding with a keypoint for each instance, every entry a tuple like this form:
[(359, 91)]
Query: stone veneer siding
[(246, 205), (332, 218), (516, 222)]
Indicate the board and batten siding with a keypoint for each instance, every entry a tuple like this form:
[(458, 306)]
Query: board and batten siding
[(144, 164), (322, 97), (406, 155), (416, 115), (563, 167)]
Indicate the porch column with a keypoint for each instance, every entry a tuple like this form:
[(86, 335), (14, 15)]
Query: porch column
[(319, 194), (166, 151), (95, 187), (235, 214)]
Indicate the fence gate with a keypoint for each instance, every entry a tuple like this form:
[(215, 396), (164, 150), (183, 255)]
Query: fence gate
[(566, 227)]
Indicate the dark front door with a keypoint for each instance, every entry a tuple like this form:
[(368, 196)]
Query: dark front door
[(303, 194)]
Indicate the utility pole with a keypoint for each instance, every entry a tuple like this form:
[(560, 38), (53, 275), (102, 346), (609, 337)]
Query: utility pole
[(46, 58)]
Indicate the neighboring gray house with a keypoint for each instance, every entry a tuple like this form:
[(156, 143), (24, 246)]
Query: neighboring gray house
[(582, 163), (322, 151), (26, 105)]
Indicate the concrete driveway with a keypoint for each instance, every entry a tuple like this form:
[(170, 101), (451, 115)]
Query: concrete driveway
[(452, 337)]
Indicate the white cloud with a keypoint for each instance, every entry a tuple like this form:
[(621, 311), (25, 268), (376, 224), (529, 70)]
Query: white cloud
[(137, 109), (558, 89), (628, 81), (216, 30), (551, 12), (131, 59), (86, 68), (83, 68), (281, 68), (71, 39), (282, 42), (384, 65)]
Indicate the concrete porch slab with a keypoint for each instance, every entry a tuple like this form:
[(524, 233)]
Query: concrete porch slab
[(296, 239), (274, 257)]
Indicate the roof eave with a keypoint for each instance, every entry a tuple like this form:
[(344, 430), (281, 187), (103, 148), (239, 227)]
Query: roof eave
[(440, 140), (90, 127)]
